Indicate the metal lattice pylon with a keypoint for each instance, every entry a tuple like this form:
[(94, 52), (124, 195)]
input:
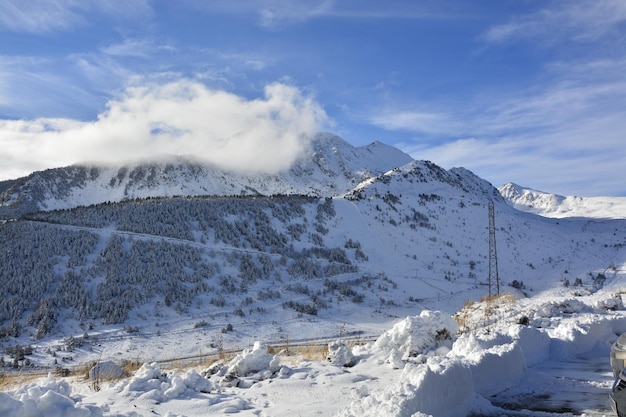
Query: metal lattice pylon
[(493, 254)]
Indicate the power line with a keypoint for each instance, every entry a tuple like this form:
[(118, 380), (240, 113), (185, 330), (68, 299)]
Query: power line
[(493, 255)]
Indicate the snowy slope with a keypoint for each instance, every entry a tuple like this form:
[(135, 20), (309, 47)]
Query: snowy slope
[(412, 238), (393, 266), (554, 364), (557, 206), (331, 166)]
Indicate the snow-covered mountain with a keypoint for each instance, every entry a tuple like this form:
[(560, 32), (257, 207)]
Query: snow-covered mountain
[(331, 167), (342, 245), (557, 206), (414, 234)]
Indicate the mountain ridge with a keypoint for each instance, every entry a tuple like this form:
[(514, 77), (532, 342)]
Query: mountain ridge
[(558, 206), (331, 167)]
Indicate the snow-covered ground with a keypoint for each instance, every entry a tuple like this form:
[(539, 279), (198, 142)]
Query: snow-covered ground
[(510, 355)]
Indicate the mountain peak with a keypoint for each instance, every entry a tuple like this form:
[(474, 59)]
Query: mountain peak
[(511, 190), (426, 178), (330, 167)]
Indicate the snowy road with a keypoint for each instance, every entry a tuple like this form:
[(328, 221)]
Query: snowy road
[(577, 386)]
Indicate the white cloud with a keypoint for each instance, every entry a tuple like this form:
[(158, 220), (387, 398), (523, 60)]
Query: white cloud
[(49, 86), (44, 16), (270, 14), (564, 136), (281, 13), (38, 16), (179, 118), (564, 21), (413, 121), (278, 14), (77, 84), (577, 159), (553, 107), (138, 48)]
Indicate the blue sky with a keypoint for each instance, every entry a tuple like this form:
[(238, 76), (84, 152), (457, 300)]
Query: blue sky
[(532, 92)]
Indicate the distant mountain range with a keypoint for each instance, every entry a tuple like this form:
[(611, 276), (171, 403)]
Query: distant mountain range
[(331, 167), (558, 206)]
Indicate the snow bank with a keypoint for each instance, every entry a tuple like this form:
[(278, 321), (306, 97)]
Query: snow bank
[(610, 302), (46, 398), (573, 337), (561, 307), (430, 382), (494, 368), (535, 344), (339, 354), (417, 337), (254, 364), (149, 382), (254, 360), (441, 387), (446, 377)]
